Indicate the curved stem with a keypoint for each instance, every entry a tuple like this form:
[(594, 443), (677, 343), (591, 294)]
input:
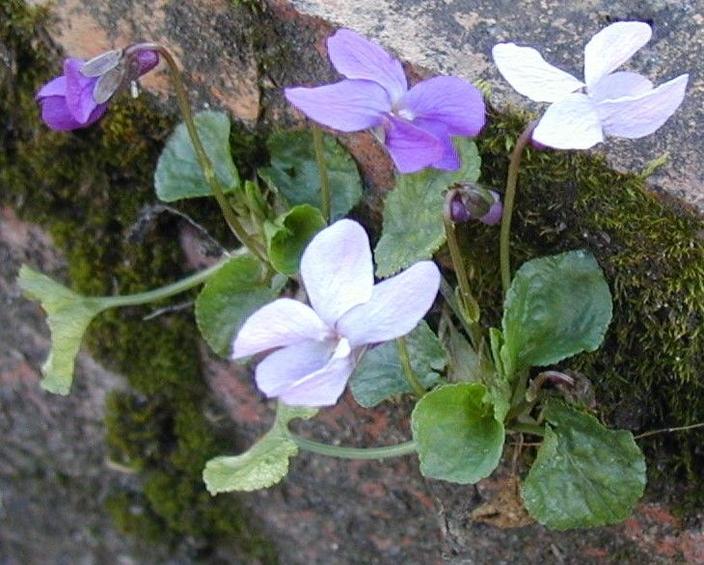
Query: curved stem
[(669, 430), (202, 157), (509, 198), (353, 452), (471, 307), (165, 291), (415, 384), (325, 196)]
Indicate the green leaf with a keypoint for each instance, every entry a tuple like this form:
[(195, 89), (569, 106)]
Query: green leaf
[(289, 234), (458, 439), (68, 315), (584, 475), (498, 384), (464, 365), (264, 464), (178, 174), (413, 224), (556, 307), (228, 299), (294, 171), (379, 375)]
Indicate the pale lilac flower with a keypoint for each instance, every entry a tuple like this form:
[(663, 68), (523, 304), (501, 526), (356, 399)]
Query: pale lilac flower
[(317, 348), (80, 96), (415, 125), (622, 104)]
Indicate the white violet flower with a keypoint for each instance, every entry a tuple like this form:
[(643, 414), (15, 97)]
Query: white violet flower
[(623, 103), (316, 349)]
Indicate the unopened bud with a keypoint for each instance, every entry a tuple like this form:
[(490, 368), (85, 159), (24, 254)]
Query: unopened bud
[(469, 201)]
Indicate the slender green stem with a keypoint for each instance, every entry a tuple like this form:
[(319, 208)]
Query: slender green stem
[(353, 452), (471, 307), (413, 380), (472, 329), (165, 291), (202, 157), (527, 429), (509, 198), (669, 430), (323, 170)]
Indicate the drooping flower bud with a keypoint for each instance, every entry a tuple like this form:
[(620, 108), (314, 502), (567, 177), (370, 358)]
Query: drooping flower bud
[(80, 96), (469, 201)]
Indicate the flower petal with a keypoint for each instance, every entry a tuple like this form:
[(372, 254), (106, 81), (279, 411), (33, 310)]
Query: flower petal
[(348, 105), (279, 370), (637, 116), (396, 306), (147, 60), (55, 87), (572, 123), (358, 58), (324, 386), (450, 159), (56, 114), (279, 324), (529, 74), (337, 270), (618, 85), (411, 147), (79, 91), (493, 216), (612, 47), (449, 100)]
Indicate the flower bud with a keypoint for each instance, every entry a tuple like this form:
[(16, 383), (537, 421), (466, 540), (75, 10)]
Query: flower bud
[(469, 201)]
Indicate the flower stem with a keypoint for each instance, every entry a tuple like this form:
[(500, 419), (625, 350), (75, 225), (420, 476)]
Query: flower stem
[(509, 198), (669, 430), (323, 171), (473, 330), (165, 291), (202, 157), (353, 452), (527, 429), (413, 380), (470, 306)]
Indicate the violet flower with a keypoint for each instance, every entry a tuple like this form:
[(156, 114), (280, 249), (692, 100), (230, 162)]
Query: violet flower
[(622, 104), (80, 96), (316, 349), (471, 202), (415, 125)]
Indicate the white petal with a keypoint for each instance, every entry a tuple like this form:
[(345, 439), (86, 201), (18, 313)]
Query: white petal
[(637, 116), (529, 74), (281, 369), (281, 323), (572, 123), (324, 386), (618, 85), (395, 308), (337, 270), (612, 47)]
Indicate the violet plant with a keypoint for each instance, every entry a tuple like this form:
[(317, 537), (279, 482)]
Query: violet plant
[(474, 385)]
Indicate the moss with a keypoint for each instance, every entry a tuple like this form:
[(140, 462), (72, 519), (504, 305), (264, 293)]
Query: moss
[(648, 372), (87, 189)]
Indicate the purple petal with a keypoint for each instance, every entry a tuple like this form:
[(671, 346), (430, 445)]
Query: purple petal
[(396, 306), (358, 58), (282, 323), (147, 61), (55, 87), (618, 85), (348, 105), (281, 369), (449, 100), (79, 91), (637, 116), (450, 159), (411, 147), (56, 115), (337, 270), (325, 386), (493, 216), (531, 75), (572, 123), (612, 47)]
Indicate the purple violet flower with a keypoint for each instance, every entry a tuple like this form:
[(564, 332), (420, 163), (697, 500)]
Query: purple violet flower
[(318, 347), (80, 96), (415, 125)]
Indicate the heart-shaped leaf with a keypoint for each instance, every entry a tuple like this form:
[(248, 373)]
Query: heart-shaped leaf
[(288, 236)]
